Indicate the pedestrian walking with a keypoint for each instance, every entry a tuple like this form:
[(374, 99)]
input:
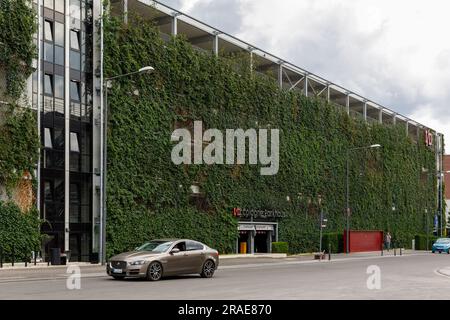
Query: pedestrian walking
[(387, 241)]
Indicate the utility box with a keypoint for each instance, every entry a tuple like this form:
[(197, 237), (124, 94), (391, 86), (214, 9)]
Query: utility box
[(243, 247)]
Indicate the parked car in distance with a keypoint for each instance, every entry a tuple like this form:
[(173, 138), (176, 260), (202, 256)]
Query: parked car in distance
[(165, 257), (441, 245)]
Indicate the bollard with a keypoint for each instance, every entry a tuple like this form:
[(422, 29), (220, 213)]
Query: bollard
[(13, 256), (1, 257), (329, 251), (26, 260), (382, 253), (400, 250), (395, 251), (35, 257)]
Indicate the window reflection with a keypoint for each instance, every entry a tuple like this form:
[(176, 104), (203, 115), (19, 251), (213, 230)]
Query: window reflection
[(74, 90), (48, 30), (48, 84), (48, 138)]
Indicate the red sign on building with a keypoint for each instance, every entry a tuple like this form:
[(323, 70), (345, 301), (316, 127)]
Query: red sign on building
[(428, 138)]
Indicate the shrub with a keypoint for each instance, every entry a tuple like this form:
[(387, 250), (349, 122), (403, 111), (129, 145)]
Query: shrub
[(421, 241), (19, 232), (280, 247), (335, 239)]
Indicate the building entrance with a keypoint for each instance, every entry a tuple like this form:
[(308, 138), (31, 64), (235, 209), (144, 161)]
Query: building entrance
[(256, 237)]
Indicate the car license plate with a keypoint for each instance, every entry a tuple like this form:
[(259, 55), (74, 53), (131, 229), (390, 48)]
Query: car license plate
[(116, 270)]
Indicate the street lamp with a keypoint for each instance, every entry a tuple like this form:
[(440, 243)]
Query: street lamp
[(106, 84), (348, 191)]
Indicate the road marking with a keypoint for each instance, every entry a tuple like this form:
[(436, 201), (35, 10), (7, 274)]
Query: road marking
[(443, 274)]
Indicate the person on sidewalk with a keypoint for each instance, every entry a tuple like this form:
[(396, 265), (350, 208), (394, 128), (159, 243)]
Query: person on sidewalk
[(387, 241)]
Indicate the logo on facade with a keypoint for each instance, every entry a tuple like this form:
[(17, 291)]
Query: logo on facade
[(257, 213), (236, 141)]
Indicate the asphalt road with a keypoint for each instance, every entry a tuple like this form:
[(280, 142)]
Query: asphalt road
[(413, 276)]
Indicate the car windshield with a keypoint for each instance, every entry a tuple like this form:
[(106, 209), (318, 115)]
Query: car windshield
[(443, 240), (155, 246)]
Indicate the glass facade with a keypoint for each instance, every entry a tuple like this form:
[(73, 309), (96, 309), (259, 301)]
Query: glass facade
[(57, 105)]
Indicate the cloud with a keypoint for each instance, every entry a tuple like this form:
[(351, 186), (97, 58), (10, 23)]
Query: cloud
[(393, 52)]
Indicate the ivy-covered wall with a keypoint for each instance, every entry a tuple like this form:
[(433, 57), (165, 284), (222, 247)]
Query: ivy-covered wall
[(150, 197), (19, 142)]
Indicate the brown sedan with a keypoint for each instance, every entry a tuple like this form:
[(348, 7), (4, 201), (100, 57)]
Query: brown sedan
[(165, 257)]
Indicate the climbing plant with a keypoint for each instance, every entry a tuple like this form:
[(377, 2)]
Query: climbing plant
[(17, 49), (150, 197), (19, 142)]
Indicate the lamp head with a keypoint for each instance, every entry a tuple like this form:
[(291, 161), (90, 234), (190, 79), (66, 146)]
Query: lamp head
[(146, 69)]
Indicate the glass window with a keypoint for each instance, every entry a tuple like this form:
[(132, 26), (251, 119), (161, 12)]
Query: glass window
[(75, 11), (193, 245), (75, 39), (48, 84), (48, 52), (49, 3), (74, 193), (74, 146), (59, 33), (59, 138), (48, 190), (48, 30), (59, 86), (59, 6), (75, 60), (48, 138), (75, 90), (59, 55)]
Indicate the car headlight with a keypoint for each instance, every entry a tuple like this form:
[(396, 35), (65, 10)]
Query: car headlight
[(137, 263)]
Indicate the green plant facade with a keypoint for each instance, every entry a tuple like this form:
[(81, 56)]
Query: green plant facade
[(17, 49), (19, 142), (150, 197)]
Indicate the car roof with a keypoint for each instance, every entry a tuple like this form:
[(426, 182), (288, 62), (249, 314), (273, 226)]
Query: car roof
[(174, 239)]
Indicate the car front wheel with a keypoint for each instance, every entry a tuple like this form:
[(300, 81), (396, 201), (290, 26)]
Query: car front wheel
[(208, 269), (154, 271)]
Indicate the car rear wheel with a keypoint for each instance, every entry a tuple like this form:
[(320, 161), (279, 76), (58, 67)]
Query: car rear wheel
[(154, 271), (208, 269)]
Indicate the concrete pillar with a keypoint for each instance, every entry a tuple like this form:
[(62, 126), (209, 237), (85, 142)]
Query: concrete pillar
[(347, 103), (67, 127), (306, 85), (216, 44), (407, 129), (328, 93), (280, 76), (365, 111), (174, 25), (380, 116), (39, 100), (252, 241), (125, 11)]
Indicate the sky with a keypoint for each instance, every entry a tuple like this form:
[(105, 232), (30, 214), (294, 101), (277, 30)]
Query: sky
[(396, 53)]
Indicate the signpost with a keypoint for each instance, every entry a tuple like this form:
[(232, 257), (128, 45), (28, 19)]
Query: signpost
[(323, 224)]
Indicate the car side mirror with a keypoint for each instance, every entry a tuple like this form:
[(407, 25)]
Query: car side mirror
[(174, 250)]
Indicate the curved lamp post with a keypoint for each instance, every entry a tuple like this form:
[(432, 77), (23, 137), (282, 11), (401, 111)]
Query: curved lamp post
[(106, 84)]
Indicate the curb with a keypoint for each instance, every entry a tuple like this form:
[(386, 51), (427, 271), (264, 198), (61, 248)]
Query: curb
[(253, 256), (46, 267)]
